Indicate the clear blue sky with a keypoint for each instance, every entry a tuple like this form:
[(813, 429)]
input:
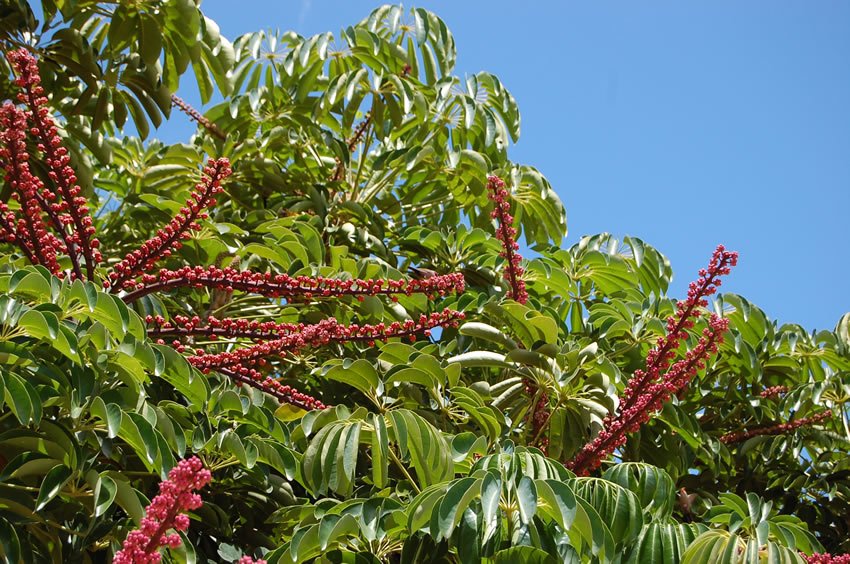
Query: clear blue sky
[(683, 123)]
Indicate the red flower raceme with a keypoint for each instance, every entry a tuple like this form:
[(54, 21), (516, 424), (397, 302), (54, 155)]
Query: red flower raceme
[(286, 286), (70, 206), (180, 227), (648, 389), (29, 232), (242, 364), (778, 429), (506, 233), (166, 511)]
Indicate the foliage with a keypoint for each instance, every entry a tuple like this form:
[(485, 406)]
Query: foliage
[(358, 208)]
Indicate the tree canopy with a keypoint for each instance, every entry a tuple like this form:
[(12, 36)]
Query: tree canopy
[(314, 315)]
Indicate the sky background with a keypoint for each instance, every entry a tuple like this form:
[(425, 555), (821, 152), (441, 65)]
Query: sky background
[(686, 124)]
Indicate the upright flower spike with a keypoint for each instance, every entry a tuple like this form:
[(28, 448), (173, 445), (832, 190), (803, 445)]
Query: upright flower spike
[(506, 233), (180, 227), (70, 208), (166, 511), (778, 429), (30, 232), (648, 389)]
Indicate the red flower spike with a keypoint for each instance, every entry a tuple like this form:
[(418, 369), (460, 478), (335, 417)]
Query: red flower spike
[(70, 208), (28, 232), (168, 238), (166, 511), (285, 286), (506, 233), (778, 429), (648, 389), (320, 334)]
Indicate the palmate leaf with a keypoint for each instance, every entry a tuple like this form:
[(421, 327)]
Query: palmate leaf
[(663, 542), (654, 487), (723, 547)]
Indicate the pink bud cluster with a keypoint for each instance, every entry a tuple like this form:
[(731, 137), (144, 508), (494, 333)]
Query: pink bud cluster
[(773, 391), (506, 233), (64, 211), (286, 286), (71, 207), (197, 116), (166, 511), (824, 558), (778, 429), (249, 560), (180, 227), (648, 389)]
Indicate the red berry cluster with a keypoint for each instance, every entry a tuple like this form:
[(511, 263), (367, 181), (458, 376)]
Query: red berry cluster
[(778, 429), (506, 233), (197, 116), (648, 389), (166, 511), (824, 558), (773, 391), (169, 237), (286, 286), (65, 207)]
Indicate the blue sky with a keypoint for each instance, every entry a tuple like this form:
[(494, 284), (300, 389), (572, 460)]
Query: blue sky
[(686, 124)]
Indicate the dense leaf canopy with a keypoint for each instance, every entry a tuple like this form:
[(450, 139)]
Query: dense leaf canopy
[(409, 404)]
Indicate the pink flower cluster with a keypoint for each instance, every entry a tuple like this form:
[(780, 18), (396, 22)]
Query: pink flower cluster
[(166, 511), (648, 389), (249, 560), (778, 429), (180, 227), (824, 558), (506, 233), (197, 117), (773, 391), (65, 207), (286, 286)]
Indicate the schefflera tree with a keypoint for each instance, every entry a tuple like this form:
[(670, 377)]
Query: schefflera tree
[(455, 446)]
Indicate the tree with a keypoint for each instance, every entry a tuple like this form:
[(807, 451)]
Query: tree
[(338, 324)]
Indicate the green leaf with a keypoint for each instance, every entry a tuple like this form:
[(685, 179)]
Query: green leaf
[(53, 483)]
